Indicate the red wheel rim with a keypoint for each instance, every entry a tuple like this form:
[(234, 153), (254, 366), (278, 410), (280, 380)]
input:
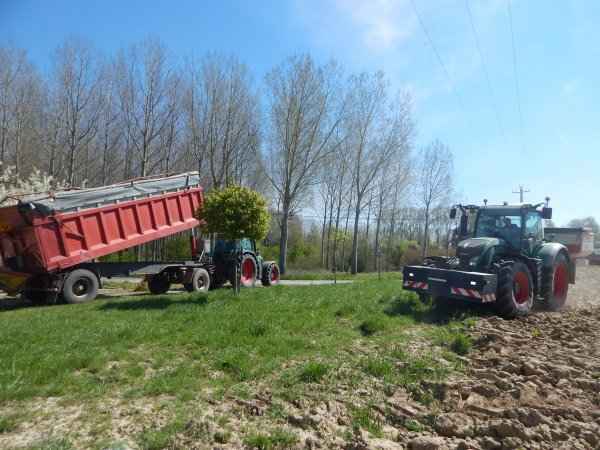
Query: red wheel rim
[(247, 271), (560, 281), (274, 274), (521, 287)]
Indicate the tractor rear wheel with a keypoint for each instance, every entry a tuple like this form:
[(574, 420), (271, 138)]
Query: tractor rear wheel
[(270, 275), (200, 281), (248, 273), (159, 284), (80, 286), (555, 283), (515, 291)]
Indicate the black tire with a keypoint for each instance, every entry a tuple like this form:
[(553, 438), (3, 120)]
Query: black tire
[(248, 271), (555, 283), (159, 284), (200, 281), (515, 291), (80, 286), (270, 275)]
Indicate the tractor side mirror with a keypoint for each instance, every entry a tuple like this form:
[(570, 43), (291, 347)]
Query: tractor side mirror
[(546, 213), (464, 225), (453, 213)]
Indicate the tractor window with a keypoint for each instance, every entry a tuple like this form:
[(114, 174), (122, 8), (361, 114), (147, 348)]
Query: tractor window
[(533, 226), (499, 226), (247, 245)]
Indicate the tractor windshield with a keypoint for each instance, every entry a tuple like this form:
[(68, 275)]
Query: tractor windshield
[(497, 224)]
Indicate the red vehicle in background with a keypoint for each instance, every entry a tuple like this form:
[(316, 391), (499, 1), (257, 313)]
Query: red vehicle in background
[(49, 244)]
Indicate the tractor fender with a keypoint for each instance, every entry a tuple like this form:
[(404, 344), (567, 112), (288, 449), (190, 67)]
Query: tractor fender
[(548, 253)]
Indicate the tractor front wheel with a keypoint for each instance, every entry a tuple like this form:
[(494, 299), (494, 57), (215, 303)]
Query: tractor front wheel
[(515, 291), (555, 283)]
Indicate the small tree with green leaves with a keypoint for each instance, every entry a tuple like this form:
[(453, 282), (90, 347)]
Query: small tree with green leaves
[(235, 212)]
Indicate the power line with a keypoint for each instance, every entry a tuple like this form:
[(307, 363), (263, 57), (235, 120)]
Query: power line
[(516, 74), (437, 54), (485, 70)]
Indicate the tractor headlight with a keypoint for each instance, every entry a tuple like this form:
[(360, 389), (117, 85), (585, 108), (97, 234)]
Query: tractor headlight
[(473, 261)]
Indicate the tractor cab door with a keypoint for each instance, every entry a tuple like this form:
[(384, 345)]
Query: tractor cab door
[(533, 232)]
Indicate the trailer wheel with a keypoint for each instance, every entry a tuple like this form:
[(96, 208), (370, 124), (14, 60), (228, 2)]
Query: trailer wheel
[(159, 284), (200, 281), (555, 283), (515, 291), (80, 286), (248, 275), (270, 275)]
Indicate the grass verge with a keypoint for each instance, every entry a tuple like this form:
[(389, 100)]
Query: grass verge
[(304, 342)]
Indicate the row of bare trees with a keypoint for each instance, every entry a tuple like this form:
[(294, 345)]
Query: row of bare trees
[(310, 134)]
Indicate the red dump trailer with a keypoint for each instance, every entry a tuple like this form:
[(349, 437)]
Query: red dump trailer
[(49, 244), (579, 241)]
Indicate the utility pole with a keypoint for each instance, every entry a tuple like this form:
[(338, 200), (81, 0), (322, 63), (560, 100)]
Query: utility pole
[(521, 191)]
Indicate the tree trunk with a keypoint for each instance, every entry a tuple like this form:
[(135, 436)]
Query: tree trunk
[(323, 237), (426, 232), (283, 240), (329, 233), (345, 232), (354, 267), (366, 249)]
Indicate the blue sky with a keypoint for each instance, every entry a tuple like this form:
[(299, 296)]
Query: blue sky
[(556, 150)]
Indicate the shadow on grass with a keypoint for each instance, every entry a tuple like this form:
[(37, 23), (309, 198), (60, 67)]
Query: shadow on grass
[(156, 302), (438, 312), (12, 303)]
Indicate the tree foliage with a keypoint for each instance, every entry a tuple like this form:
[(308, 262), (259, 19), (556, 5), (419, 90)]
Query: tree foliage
[(235, 212)]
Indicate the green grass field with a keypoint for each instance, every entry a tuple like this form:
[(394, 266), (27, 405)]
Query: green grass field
[(327, 275), (193, 348)]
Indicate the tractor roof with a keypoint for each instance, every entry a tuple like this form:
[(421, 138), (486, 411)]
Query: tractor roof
[(510, 209)]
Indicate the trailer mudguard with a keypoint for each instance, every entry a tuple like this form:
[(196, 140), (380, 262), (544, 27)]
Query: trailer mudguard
[(548, 253)]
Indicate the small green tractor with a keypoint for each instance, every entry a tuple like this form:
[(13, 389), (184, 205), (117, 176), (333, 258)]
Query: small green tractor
[(214, 263), (502, 258), (224, 255)]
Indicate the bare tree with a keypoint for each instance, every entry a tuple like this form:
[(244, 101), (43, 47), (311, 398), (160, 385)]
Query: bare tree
[(377, 130), (393, 181), (77, 80), (434, 183), (304, 113), (110, 130), (147, 82), (221, 116), (12, 62)]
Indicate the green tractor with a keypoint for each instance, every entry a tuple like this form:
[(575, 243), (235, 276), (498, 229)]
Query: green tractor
[(222, 256), (502, 258)]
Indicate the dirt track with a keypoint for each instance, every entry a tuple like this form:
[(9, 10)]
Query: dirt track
[(586, 291)]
